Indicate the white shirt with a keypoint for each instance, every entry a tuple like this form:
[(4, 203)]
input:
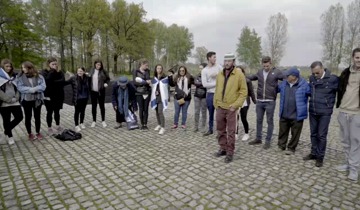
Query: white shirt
[(95, 81), (208, 77)]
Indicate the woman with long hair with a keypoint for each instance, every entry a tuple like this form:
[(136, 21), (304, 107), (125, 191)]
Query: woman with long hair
[(182, 82), (54, 94), (81, 92), (200, 101), (98, 83), (142, 82), (245, 107), (31, 85), (159, 96), (9, 99)]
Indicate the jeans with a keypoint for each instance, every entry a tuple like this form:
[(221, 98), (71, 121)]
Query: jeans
[(200, 107), (211, 108), (95, 97), (319, 126), (143, 108), (49, 113), (80, 108), (160, 114), (267, 107), (29, 108), (183, 109), (9, 124)]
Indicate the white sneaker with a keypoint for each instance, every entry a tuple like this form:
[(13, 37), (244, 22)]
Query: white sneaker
[(162, 131), (236, 136), (11, 141), (157, 128), (245, 137), (104, 124), (82, 126), (93, 124), (77, 129)]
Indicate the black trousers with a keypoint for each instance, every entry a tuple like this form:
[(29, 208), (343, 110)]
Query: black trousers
[(95, 98), (80, 108), (50, 109), (285, 127), (9, 124), (243, 116), (29, 108), (143, 108)]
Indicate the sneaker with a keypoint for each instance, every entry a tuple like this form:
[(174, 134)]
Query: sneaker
[(82, 126), (39, 136), (11, 141), (32, 137), (77, 129), (157, 128), (289, 152), (228, 159), (174, 127), (220, 153), (267, 145), (104, 124), (93, 124), (342, 168), (281, 149), (183, 126), (309, 157), (255, 142), (145, 127), (162, 131), (319, 163), (51, 131), (245, 137), (59, 128), (208, 133), (119, 125), (353, 175), (196, 130), (236, 136)]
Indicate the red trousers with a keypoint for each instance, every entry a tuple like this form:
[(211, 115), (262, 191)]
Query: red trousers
[(226, 128)]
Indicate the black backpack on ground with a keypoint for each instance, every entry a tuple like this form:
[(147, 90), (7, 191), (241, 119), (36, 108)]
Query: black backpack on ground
[(68, 135)]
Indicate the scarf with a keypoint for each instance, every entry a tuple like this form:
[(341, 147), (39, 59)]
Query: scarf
[(183, 84), (123, 101), (4, 78), (163, 88), (37, 97)]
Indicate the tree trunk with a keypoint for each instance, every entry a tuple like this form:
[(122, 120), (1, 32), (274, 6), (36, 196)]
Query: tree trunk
[(115, 64), (107, 52), (71, 50)]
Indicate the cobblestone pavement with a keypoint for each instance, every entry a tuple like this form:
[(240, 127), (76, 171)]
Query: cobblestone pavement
[(120, 169)]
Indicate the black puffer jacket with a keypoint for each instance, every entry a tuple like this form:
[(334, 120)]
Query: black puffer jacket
[(80, 86), (323, 94), (142, 88)]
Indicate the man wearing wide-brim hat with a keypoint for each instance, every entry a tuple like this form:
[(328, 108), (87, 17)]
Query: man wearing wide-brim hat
[(230, 94)]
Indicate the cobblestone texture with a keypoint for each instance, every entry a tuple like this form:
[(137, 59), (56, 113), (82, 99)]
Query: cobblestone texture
[(120, 169)]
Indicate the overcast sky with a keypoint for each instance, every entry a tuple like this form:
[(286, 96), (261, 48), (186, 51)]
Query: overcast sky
[(216, 24)]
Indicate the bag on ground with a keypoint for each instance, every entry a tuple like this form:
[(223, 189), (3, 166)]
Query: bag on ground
[(68, 135)]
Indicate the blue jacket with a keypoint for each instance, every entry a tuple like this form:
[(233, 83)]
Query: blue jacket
[(302, 93), (323, 94)]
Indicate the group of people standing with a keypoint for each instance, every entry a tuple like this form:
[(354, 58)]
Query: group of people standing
[(31, 89), (298, 99), (227, 90)]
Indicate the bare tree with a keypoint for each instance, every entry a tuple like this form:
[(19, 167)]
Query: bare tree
[(277, 36), (333, 24), (352, 29)]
